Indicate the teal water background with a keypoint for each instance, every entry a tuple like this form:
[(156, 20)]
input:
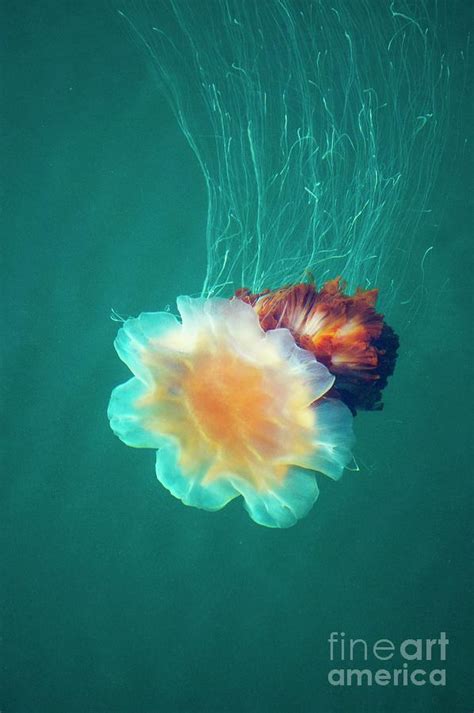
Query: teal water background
[(115, 597)]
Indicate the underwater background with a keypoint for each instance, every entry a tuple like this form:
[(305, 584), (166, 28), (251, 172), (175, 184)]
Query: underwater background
[(115, 598)]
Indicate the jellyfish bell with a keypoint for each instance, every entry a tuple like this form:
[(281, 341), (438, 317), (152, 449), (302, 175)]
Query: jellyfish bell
[(231, 409)]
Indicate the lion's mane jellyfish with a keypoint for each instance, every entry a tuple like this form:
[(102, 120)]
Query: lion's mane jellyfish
[(318, 130), (232, 409)]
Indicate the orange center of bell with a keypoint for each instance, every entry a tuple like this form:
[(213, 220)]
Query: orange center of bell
[(231, 407)]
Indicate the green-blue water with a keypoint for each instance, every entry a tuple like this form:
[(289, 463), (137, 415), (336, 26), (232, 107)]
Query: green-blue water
[(115, 597)]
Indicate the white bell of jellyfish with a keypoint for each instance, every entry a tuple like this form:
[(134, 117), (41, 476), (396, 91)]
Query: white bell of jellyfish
[(232, 410)]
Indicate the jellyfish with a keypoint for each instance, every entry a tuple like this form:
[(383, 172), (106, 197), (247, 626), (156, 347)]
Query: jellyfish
[(231, 409), (318, 129)]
